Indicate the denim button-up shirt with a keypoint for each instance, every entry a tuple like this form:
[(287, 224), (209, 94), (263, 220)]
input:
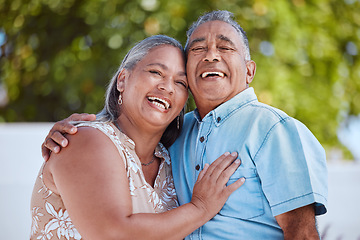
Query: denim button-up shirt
[(283, 163)]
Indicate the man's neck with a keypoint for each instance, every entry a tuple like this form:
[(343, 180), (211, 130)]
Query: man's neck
[(205, 106)]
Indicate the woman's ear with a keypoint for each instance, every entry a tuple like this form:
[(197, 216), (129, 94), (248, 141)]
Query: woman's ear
[(121, 79)]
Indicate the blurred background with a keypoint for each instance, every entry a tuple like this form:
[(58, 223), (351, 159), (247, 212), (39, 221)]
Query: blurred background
[(56, 58)]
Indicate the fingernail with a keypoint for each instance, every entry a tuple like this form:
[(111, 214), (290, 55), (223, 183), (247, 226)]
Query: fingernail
[(63, 143), (226, 154), (73, 130), (237, 161), (234, 154), (56, 149), (242, 179)]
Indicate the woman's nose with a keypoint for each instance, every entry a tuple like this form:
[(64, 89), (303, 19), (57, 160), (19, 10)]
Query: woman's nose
[(166, 85)]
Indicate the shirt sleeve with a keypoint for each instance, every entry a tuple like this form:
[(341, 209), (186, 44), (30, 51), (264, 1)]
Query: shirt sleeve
[(291, 165)]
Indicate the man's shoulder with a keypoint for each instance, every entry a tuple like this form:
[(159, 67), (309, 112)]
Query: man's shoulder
[(260, 112), (189, 118), (266, 109)]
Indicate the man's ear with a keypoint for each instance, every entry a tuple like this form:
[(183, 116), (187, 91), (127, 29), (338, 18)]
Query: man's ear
[(121, 79), (251, 69)]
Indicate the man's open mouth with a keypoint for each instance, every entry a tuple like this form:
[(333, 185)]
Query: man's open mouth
[(212, 74)]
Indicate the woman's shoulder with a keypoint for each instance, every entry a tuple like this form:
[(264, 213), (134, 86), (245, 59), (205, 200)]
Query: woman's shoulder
[(91, 140)]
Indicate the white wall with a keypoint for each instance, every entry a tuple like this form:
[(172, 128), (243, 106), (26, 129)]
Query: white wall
[(20, 160), (342, 221)]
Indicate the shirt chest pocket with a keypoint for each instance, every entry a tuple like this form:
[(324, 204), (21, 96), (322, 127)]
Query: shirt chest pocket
[(247, 201)]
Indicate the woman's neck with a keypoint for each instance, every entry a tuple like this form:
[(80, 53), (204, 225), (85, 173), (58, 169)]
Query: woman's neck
[(145, 137)]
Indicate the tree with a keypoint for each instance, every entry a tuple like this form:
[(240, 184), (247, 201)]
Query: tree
[(56, 57)]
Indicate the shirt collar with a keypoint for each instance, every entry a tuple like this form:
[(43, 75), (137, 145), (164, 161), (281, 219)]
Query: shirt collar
[(162, 152), (221, 113)]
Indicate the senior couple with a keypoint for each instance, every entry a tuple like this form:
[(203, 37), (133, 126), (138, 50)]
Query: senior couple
[(113, 178)]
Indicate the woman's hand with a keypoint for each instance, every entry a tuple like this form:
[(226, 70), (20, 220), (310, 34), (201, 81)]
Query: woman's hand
[(210, 191), (56, 137)]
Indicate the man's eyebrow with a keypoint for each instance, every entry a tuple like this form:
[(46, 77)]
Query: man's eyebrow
[(226, 39), (196, 40)]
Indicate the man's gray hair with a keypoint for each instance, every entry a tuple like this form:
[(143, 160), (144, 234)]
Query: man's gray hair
[(111, 109), (220, 15)]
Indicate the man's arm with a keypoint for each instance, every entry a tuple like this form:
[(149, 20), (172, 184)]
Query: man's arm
[(299, 223), (56, 139)]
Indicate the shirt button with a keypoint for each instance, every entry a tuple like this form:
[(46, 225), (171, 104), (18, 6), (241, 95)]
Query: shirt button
[(218, 119), (197, 167), (202, 139)]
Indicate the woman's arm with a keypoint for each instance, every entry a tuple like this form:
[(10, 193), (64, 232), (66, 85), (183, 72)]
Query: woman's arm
[(91, 179)]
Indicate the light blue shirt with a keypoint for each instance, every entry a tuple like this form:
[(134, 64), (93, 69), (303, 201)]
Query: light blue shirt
[(283, 163)]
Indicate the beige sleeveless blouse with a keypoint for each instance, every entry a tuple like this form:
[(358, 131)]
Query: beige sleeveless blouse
[(50, 219)]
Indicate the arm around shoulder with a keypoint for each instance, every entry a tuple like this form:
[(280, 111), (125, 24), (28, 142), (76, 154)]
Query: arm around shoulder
[(90, 176)]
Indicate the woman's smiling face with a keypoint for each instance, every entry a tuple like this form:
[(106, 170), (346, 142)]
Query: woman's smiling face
[(156, 89)]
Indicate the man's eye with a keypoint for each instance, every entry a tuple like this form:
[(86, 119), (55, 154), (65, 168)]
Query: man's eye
[(225, 48), (155, 72), (198, 49)]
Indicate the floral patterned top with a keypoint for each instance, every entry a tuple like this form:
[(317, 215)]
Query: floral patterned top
[(50, 219)]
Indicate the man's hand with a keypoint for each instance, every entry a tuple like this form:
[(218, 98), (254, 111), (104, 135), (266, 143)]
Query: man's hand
[(299, 223), (56, 139)]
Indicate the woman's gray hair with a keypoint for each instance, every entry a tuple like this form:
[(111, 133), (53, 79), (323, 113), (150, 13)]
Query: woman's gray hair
[(220, 15), (111, 110)]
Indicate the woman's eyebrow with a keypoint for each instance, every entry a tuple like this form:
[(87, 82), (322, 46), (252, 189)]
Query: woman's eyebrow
[(163, 66)]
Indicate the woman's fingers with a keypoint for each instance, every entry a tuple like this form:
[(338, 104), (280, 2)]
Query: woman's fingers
[(222, 163), (225, 175), (211, 191), (232, 187), (202, 173), (220, 171)]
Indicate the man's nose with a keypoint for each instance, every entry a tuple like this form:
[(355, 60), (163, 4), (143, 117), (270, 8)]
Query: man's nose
[(212, 55)]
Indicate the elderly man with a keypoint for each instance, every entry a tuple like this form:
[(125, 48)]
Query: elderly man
[(283, 163)]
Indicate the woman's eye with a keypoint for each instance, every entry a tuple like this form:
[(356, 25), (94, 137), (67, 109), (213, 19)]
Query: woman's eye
[(182, 84)]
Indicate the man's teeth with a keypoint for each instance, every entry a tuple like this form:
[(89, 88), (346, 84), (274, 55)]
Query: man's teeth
[(205, 74), (159, 102)]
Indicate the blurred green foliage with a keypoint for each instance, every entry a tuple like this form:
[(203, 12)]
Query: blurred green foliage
[(56, 57)]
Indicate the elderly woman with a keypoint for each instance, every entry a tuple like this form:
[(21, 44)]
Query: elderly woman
[(114, 179)]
